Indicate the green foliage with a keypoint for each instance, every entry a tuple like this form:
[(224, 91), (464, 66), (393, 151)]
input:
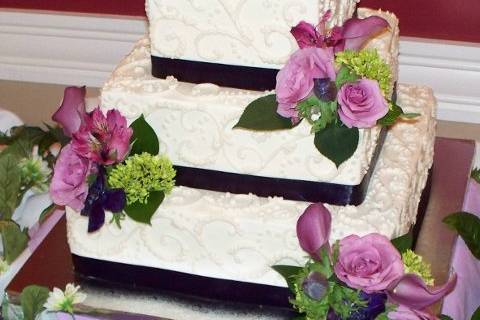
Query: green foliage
[(46, 213), (444, 317), (143, 212), (317, 112), (414, 264), (475, 174), (10, 185), (368, 64), (144, 137), (344, 75), (141, 174), (261, 115), (403, 243), (394, 112), (14, 240), (337, 142), (289, 273), (32, 300), (468, 227)]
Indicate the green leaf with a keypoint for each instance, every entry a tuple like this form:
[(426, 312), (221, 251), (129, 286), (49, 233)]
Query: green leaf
[(143, 212), (403, 243), (324, 266), (476, 314), (46, 213), (14, 240), (144, 137), (475, 174), (393, 113), (53, 135), (468, 227), (444, 317), (10, 183), (32, 300), (289, 273), (262, 115), (344, 75), (337, 142)]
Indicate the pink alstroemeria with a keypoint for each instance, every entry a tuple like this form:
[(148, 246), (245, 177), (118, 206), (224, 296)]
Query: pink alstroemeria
[(351, 35), (313, 229), (71, 112), (105, 140), (411, 291)]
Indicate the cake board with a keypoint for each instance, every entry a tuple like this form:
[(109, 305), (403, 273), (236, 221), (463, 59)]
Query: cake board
[(51, 264)]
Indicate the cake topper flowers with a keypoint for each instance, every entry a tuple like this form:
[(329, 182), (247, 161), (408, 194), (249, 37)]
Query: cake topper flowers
[(86, 173), (331, 83), (358, 277)]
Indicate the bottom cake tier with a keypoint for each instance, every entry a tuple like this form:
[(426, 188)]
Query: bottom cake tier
[(237, 238)]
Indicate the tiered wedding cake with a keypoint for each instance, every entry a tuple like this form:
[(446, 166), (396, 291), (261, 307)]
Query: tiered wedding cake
[(214, 224)]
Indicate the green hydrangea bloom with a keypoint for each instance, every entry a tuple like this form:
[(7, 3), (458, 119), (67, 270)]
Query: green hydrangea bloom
[(368, 64), (34, 172), (414, 264), (142, 174)]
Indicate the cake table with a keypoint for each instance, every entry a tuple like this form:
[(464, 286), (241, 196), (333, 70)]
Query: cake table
[(51, 264)]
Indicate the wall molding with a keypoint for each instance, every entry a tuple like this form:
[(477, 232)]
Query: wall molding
[(83, 50)]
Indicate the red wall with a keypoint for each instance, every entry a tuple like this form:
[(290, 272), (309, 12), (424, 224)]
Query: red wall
[(440, 19)]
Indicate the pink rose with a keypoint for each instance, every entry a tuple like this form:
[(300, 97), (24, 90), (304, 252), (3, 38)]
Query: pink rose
[(405, 313), (361, 103), (103, 139), (295, 79), (370, 263), (69, 186)]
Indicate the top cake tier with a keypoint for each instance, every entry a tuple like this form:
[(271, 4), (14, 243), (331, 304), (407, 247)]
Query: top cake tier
[(233, 32)]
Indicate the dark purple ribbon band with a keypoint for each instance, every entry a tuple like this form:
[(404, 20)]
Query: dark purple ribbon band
[(125, 276), (240, 77), (299, 190)]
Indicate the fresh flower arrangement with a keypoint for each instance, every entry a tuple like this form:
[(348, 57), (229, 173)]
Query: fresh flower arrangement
[(333, 85), (358, 277), (108, 165), (27, 155)]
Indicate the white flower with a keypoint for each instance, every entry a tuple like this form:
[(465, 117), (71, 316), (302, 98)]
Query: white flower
[(3, 265), (64, 301), (35, 171)]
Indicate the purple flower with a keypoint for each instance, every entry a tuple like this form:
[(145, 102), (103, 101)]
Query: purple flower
[(295, 79), (313, 229), (375, 306), (405, 313), (325, 89), (100, 199), (352, 35), (306, 35), (105, 140), (71, 112), (355, 32), (69, 186), (411, 291), (361, 103), (315, 285), (370, 263)]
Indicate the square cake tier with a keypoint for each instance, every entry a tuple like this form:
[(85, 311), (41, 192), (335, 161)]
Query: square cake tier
[(233, 32), (239, 237), (194, 123)]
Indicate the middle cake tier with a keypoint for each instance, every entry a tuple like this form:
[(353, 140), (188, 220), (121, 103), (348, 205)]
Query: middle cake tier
[(194, 123)]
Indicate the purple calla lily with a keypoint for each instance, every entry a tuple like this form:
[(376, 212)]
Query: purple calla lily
[(411, 291), (356, 31), (352, 35), (313, 229), (71, 112)]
